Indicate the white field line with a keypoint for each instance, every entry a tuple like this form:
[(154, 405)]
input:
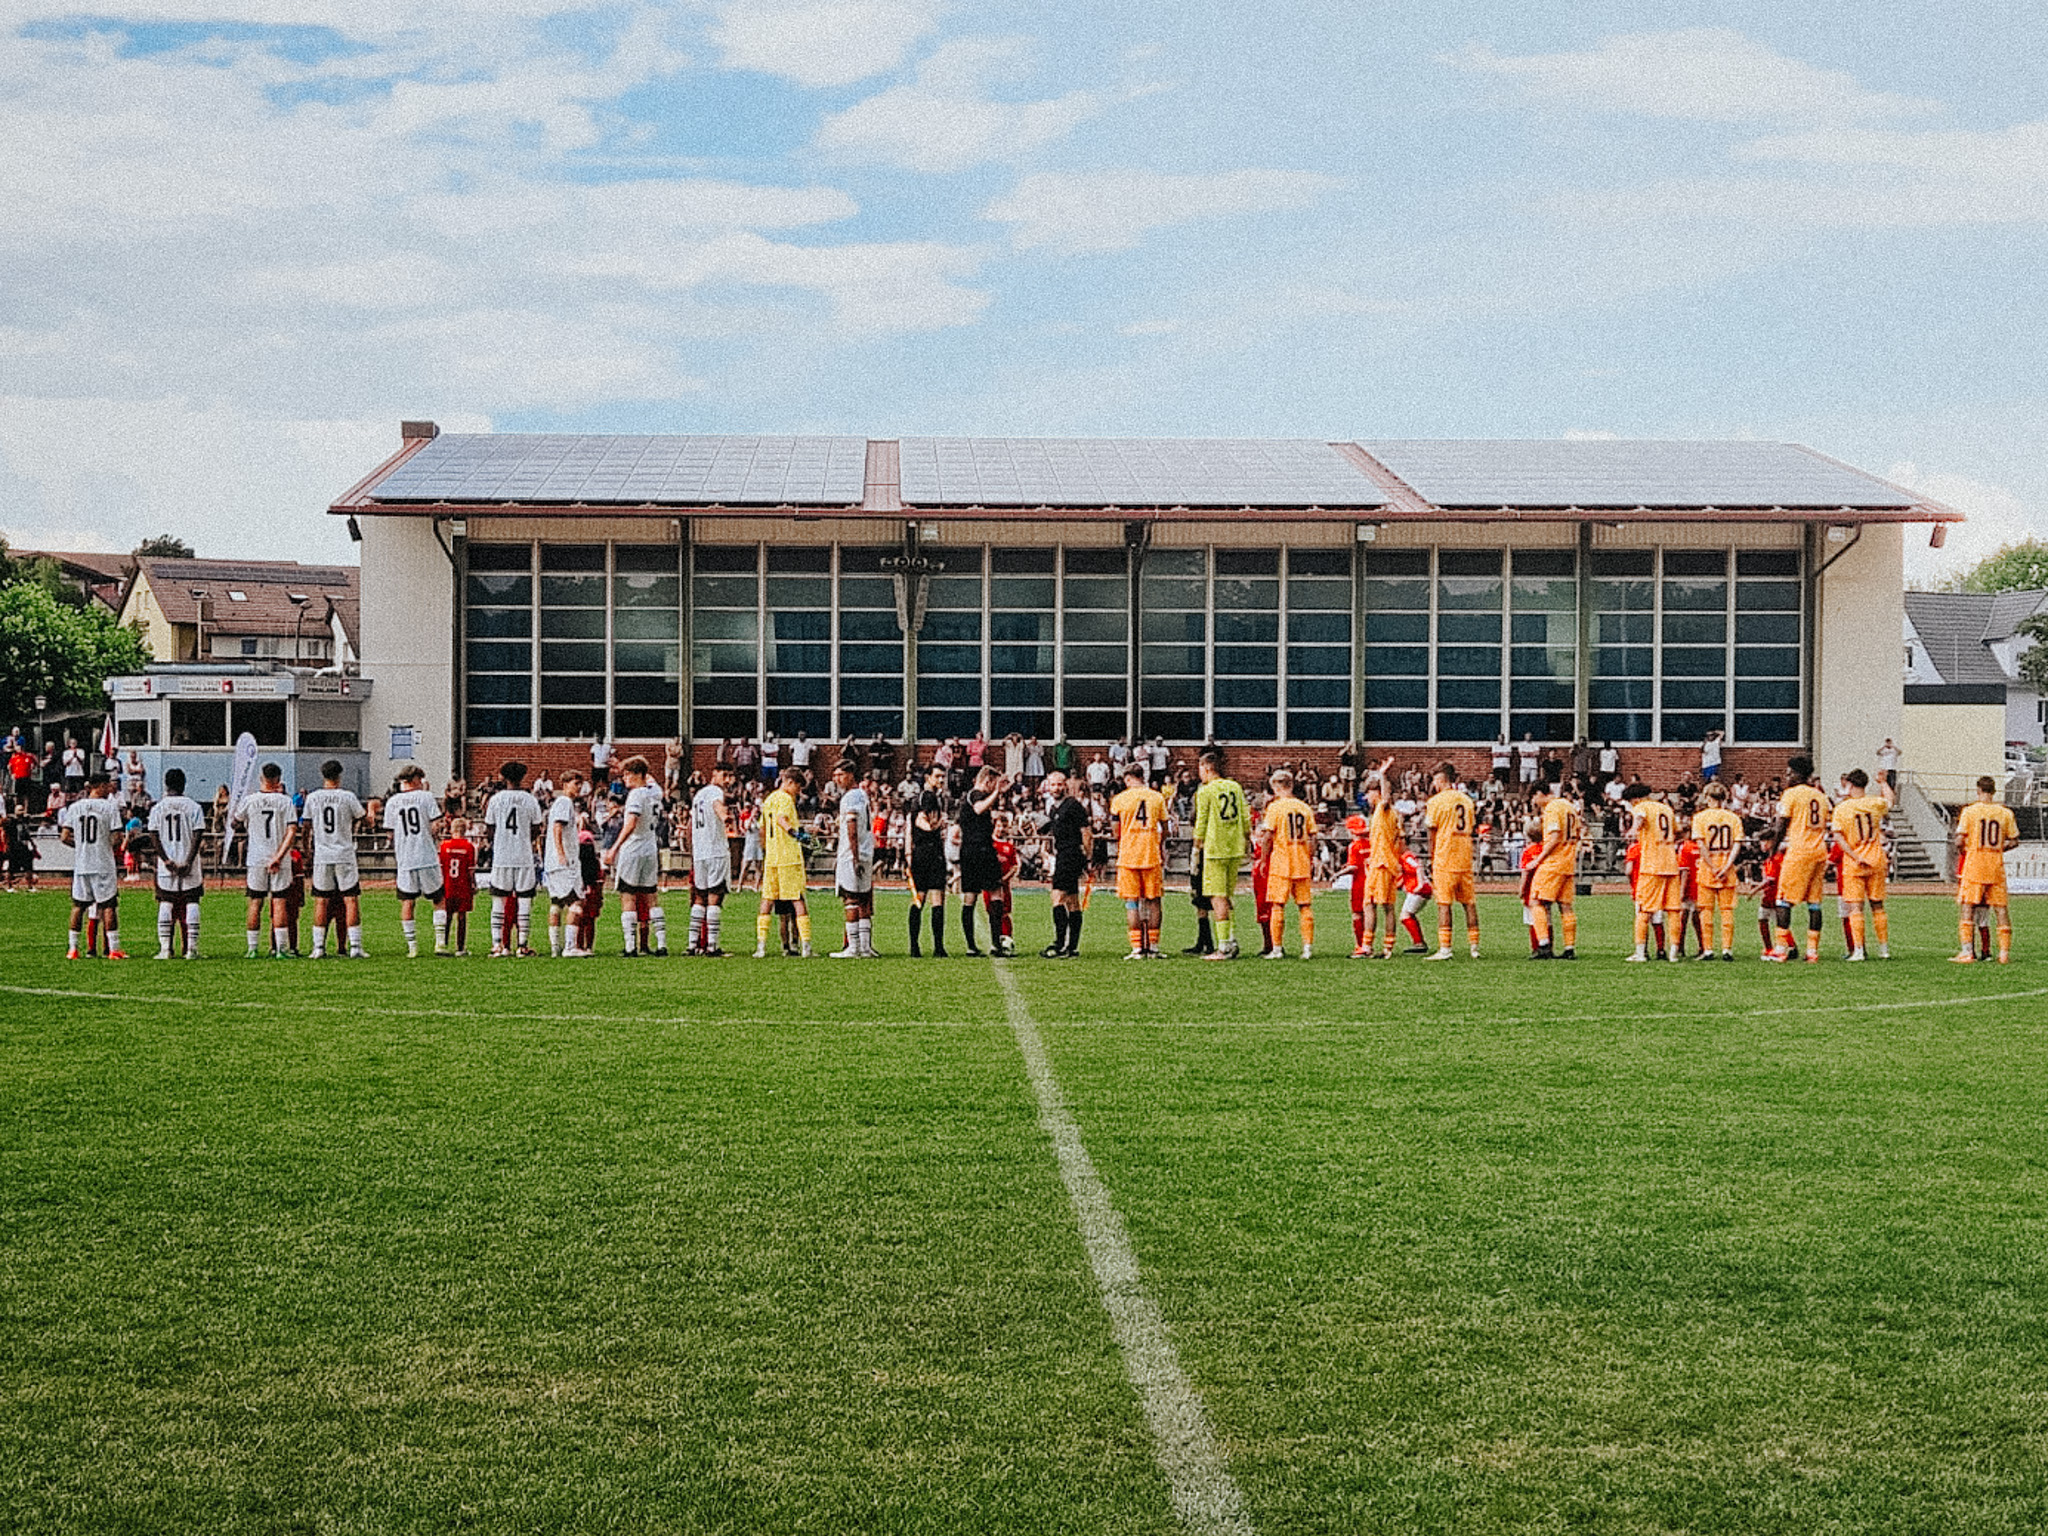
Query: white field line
[(1205, 1496)]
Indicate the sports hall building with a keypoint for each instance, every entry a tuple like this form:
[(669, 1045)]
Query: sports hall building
[(522, 594)]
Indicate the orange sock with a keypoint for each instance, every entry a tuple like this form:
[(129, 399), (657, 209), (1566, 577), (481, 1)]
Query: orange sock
[(1571, 927), (1967, 937), (1881, 921), (1642, 928), (1472, 933), (1813, 943), (1443, 929), (2004, 942), (1308, 925), (1279, 924), (1137, 937), (1540, 915), (1784, 941)]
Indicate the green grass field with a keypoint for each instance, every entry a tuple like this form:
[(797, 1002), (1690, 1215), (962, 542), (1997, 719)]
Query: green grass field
[(689, 1246)]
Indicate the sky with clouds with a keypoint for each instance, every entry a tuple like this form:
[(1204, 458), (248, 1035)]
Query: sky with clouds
[(240, 239)]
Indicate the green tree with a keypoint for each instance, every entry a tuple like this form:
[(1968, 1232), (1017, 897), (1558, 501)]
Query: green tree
[(164, 546), (2034, 659), (61, 652), (2015, 568)]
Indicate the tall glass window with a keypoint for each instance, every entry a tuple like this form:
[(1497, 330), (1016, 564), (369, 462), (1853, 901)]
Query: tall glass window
[(1622, 692), (1543, 624), (573, 614), (646, 642), (1318, 644), (1468, 645), (1095, 619), (498, 627), (1022, 642), (725, 640), (1768, 639), (949, 649), (799, 618), (1693, 661), (1247, 665), (1173, 648), (870, 646), (1397, 651)]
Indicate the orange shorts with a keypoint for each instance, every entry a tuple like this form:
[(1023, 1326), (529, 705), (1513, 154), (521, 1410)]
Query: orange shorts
[(1802, 879), (1141, 884), (1982, 893), (1280, 889), (1453, 886), (1861, 883), (1718, 897), (1382, 887), (1657, 893), (1553, 882)]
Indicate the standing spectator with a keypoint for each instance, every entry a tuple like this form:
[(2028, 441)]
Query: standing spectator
[(1098, 773), (21, 768), (1610, 762), (1160, 758), (1063, 755), (600, 759), (771, 758), (1710, 757), (1527, 756), (1888, 762), (74, 766), (800, 751), (744, 755), (53, 769), (1119, 758), (1583, 759), (1034, 763), (1503, 759), (1013, 758), (136, 775), (977, 752), (672, 765)]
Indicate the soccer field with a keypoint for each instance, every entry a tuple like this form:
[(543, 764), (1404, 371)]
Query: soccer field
[(784, 1246)]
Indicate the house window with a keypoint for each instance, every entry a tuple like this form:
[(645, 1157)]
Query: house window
[(248, 647)]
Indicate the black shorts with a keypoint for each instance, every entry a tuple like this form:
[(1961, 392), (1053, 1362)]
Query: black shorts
[(183, 898), (980, 870), (1068, 865), (928, 871)]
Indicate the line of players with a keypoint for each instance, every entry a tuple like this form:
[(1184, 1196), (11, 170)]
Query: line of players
[(1681, 874)]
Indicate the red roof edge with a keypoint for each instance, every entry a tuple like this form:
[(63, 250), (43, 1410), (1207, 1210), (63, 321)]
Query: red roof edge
[(356, 496)]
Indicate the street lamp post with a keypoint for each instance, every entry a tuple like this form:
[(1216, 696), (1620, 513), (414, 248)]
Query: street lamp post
[(299, 601), (42, 730), (199, 624)]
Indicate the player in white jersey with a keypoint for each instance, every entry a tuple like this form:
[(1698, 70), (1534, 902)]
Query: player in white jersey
[(268, 822), (332, 813), (409, 816), (176, 822), (92, 826), (855, 874), (562, 866), (710, 861), (636, 858), (513, 815)]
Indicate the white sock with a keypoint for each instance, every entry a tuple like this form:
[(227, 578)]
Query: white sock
[(320, 941), (631, 927), (252, 940), (191, 930), (697, 923), (440, 929), (355, 939), (572, 925), (281, 940), (411, 925), (165, 921), (660, 927), (497, 924), (711, 917), (113, 940), (555, 932), (525, 921), (866, 930)]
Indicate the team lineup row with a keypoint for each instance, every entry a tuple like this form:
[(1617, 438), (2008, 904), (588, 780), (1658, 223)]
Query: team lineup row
[(1682, 870)]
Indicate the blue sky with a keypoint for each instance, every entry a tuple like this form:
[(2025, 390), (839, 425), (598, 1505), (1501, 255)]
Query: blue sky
[(250, 235)]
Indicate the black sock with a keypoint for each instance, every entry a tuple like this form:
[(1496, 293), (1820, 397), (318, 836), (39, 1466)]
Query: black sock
[(916, 928), (967, 921), (1205, 936), (1059, 927), (1074, 931), (938, 930)]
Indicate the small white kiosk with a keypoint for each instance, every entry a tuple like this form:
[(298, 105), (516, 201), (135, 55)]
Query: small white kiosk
[(188, 715)]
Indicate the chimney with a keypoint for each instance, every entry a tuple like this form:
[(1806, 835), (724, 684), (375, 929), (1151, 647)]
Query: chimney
[(407, 430)]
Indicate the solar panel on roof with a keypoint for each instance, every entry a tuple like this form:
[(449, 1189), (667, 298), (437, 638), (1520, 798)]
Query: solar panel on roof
[(761, 471), (1135, 472), (1602, 473)]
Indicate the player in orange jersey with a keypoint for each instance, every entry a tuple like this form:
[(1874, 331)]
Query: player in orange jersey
[(1802, 831), (1452, 818), (1288, 830), (1532, 855), (1984, 831), (1356, 857), (1718, 831), (1556, 879), (1656, 836), (1859, 833), (1140, 863), (1383, 866)]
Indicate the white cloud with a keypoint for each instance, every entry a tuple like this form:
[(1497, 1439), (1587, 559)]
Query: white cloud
[(945, 121), (821, 42), (1707, 74), (1996, 517), (1078, 211)]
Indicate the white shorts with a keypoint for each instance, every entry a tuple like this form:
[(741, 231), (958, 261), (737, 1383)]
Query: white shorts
[(563, 884), (711, 874), (336, 877), (859, 878), (94, 890), (638, 869), (415, 883), (270, 882), (512, 879)]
